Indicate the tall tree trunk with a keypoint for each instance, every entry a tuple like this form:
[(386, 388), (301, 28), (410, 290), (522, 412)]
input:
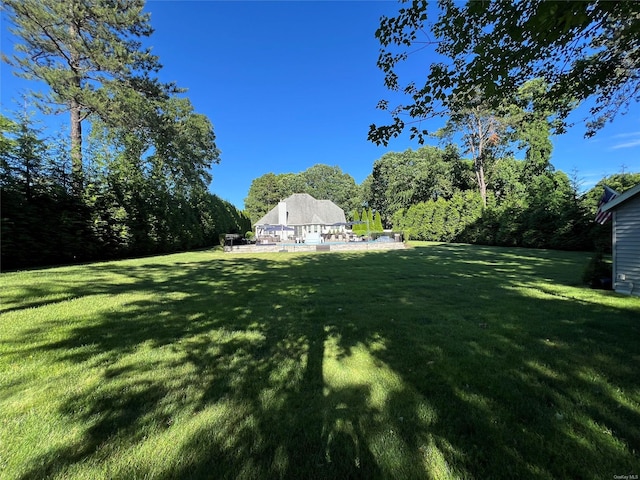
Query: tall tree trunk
[(476, 142), (76, 148), (482, 184), (75, 110)]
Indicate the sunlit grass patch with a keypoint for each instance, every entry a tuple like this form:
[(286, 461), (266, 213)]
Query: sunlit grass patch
[(439, 361)]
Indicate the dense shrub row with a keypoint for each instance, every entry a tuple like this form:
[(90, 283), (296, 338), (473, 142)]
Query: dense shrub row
[(123, 210)]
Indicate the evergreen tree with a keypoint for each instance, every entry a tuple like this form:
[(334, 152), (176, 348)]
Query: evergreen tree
[(89, 53), (356, 220), (377, 223), (369, 221), (41, 224), (23, 157), (361, 228)]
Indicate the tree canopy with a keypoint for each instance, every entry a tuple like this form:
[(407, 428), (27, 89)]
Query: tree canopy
[(90, 55), (582, 50), (401, 179), (488, 134)]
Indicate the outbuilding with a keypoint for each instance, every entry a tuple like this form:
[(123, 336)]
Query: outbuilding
[(626, 241)]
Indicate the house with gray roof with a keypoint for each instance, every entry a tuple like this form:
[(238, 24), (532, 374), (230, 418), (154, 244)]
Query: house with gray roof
[(302, 218), (626, 241)]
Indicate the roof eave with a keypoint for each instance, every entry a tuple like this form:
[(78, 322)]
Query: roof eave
[(632, 192)]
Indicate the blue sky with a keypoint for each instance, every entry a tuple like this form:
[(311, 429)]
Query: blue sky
[(293, 83)]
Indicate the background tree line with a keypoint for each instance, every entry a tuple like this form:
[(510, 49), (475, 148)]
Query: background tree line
[(506, 75), (471, 188), (491, 197), (135, 181), (432, 193)]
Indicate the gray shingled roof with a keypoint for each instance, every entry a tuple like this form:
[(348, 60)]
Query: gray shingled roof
[(303, 209)]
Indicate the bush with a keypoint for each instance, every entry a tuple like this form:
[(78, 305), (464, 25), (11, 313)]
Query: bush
[(598, 272)]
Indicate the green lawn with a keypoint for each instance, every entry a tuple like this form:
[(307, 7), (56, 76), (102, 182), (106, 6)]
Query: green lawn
[(439, 361)]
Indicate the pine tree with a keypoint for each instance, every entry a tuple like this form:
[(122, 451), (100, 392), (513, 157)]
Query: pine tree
[(90, 55)]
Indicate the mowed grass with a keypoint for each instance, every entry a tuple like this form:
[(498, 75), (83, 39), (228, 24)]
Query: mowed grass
[(437, 362)]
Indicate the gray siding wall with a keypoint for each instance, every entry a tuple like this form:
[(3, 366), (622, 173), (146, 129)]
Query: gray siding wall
[(626, 247)]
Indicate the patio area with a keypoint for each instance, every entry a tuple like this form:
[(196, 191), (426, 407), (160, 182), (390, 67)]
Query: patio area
[(333, 246)]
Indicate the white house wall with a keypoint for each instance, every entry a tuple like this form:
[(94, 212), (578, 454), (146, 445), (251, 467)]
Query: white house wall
[(626, 247)]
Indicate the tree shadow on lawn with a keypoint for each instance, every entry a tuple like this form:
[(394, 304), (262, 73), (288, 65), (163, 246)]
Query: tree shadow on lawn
[(68, 284), (406, 364)]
